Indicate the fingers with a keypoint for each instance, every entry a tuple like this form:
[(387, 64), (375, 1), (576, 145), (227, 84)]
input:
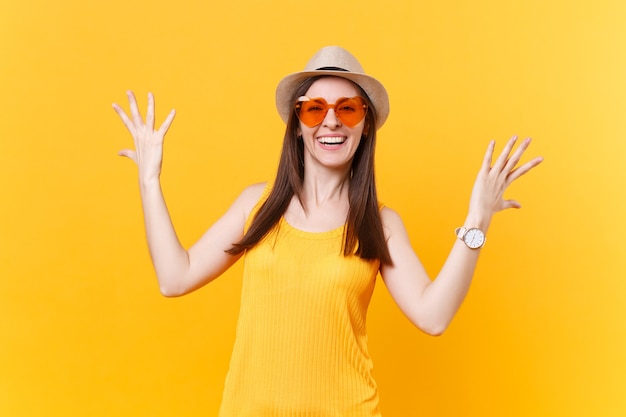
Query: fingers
[(488, 156), (518, 172), (491, 187), (165, 126), (150, 112), (148, 149), (517, 156), (512, 173), (134, 123), (125, 119), (504, 155), (506, 162), (134, 109)]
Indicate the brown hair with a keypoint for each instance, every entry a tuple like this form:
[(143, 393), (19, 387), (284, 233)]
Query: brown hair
[(364, 235)]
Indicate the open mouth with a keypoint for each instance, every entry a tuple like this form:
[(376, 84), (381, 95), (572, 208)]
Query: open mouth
[(332, 140)]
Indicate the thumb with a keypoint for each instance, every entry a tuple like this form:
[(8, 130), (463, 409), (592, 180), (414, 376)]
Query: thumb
[(128, 153), (511, 204)]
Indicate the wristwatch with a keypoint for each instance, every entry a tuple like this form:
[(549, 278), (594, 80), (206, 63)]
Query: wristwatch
[(472, 237)]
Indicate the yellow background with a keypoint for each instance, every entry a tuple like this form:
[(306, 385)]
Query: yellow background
[(83, 328)]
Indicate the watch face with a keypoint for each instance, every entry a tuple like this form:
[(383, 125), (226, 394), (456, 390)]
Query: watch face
[(474, 238)]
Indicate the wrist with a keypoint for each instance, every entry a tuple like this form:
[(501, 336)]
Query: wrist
[(147, 183), (473, 237), (477, 221)]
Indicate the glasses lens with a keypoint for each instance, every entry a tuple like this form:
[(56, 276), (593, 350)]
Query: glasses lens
[(350, 111), (313, 111)]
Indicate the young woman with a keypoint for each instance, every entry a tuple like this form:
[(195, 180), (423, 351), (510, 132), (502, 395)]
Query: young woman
[(314, 240)]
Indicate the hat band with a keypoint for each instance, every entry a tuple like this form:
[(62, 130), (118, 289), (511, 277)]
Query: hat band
[(331, 69)]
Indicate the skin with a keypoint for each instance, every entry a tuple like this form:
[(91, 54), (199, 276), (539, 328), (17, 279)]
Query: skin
[(430, 304), (326, 168)]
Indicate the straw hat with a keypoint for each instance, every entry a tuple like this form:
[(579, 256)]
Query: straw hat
[(335, 61)]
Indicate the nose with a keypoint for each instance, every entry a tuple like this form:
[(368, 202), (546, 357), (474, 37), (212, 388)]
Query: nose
[(331, 120)]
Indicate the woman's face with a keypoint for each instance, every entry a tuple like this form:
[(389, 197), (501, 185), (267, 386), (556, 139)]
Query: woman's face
[(331, 144)]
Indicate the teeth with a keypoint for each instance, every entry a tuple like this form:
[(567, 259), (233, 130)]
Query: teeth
[(332, 140)]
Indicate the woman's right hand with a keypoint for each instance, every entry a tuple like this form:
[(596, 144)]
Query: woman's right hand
[(148, 152)]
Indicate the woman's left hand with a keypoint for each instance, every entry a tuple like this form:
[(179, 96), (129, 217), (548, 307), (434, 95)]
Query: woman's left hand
[(492, 181)]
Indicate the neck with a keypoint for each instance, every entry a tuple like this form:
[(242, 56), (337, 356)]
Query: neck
[(325, 187)]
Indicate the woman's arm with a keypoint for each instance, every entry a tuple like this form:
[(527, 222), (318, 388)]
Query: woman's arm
[(178, 271), (431, 305)]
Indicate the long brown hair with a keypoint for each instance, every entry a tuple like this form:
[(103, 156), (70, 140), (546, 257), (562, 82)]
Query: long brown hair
[(363, 235)]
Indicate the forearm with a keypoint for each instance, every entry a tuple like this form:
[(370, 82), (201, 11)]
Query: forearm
[(443, 297), (169, 257)]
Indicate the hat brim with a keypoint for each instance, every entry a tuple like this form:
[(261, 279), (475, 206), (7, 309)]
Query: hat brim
[(375, 91)]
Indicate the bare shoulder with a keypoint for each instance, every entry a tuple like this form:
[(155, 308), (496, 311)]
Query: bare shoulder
[(250, 196), (392, 222), (253, 192)]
